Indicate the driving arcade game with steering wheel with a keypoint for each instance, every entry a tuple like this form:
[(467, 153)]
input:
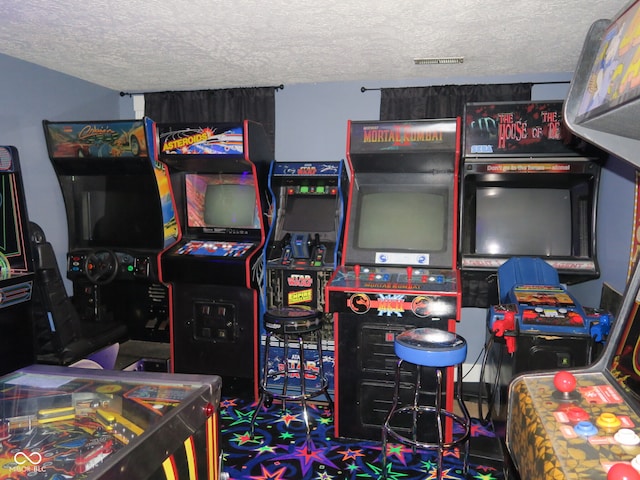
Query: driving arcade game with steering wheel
[(120, 217)]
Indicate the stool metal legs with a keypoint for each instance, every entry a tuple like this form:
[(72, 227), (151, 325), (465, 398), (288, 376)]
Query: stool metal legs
[(440, 414), (267, 396)]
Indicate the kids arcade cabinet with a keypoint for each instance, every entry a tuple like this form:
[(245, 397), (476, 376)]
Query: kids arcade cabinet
[(398, 269), (16, 268), (303, 247), (218, 172), (585, 422), (120, 216), (528, 188), (538, 325)]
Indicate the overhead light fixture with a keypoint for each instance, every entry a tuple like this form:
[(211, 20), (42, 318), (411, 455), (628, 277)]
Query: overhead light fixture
[(438, 60)]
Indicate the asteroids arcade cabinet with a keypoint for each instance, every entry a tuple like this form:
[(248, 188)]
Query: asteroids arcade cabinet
[(16, 268), (399, 260), (120, 216), (303, 246), (218, 173)]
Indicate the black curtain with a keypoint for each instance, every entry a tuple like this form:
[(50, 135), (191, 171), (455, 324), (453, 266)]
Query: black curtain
[(214, 106), (445, 101)]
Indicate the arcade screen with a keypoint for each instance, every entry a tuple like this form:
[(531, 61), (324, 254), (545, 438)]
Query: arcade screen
[(407, 219), (115, 211), (310, 213), (9, 241), (221, 201), (523, 221), (543, 215)]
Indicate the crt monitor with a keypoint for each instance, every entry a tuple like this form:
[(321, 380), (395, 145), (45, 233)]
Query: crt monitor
[(409, 219), (544, 230), (223, 201), (401, 223), (544, 215), (312, 214)]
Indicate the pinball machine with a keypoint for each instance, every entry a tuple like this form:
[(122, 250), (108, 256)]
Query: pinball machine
[(64, 422)]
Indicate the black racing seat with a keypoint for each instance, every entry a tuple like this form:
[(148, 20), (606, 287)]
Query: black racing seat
[(61, 337)]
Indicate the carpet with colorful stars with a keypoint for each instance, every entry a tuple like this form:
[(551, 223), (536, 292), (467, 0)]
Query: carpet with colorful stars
[(279, 450)]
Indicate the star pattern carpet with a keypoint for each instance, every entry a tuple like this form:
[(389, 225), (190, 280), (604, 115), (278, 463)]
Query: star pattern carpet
[(279, 450)]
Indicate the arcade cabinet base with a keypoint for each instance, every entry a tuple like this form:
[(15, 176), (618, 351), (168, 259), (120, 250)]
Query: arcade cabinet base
[(533, 352), (141, 356)]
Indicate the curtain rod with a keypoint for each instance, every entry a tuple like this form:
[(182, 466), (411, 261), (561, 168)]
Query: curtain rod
[(129, 94), (365, 89)]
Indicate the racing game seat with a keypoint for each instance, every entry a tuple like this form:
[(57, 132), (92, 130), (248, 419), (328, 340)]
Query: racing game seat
[(61, 337), (524, 271)]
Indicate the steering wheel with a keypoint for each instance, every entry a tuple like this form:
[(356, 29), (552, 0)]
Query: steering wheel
[(101, 267)]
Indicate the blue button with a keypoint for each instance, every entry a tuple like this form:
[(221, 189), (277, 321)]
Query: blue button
[(585, 429)]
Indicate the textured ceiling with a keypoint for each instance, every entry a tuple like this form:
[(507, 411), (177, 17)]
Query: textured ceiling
[(155, 45)]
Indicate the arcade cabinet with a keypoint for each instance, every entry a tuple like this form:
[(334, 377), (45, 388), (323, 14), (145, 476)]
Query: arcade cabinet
[(398, 268), (120, 217), (218, 173), (16, 268), (528, 188), (585, 422), (538, 325), (303, 247)]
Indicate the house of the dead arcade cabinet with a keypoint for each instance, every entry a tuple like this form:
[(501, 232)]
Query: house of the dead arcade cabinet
[(398, 268), (303, 246), (529, 189), (16, 268), (120, 216), (585, 422), (218, 173)]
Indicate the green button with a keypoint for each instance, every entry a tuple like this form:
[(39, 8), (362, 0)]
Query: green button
[(304, 189), (320, 189)]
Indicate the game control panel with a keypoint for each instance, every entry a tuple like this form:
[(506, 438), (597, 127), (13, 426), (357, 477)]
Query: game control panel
[(216, 248), (399, 278), (300, 250), (510, 320), (582, 419)]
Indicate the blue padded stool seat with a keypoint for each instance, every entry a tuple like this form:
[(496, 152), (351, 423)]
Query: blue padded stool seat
[(436, 349), (289, 324), (431, 347)]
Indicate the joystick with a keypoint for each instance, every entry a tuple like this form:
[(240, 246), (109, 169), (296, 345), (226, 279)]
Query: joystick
[(565, 383), (622, 471)]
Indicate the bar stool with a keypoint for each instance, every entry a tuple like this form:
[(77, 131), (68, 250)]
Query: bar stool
[(287, 323), (438, 349)]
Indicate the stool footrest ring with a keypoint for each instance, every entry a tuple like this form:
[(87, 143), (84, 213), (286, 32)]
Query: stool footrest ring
[(461, 438), (322, 390)]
